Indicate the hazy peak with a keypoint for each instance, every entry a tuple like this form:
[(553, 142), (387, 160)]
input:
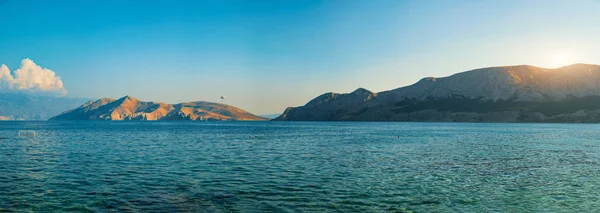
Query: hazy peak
[(580, 66), (361, 90), (127, 97)]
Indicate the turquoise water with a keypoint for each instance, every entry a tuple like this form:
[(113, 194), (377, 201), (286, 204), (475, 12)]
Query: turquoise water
[(299, 167)]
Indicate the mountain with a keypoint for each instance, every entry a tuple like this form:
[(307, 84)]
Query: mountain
[(495, 94), (23, 106), (129, 108), (270, 116)]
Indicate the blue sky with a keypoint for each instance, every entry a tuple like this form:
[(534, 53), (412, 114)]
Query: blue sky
[(264, 56)]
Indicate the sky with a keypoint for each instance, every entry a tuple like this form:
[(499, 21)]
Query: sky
[(265, 56)]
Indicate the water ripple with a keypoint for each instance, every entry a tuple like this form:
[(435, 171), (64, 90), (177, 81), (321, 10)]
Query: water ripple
[(299, 167)]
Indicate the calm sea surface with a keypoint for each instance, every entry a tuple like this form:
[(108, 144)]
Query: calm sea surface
[(299, 167)]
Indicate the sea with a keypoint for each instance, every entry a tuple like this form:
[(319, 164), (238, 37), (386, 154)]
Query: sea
[(106, 166)]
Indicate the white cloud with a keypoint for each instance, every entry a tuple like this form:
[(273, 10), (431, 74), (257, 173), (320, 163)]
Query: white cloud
[(31, 78)]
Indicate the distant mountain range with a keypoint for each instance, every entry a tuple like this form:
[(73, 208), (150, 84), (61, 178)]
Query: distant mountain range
[(129, 108), (270, 116), (496, 94), (23, 106)]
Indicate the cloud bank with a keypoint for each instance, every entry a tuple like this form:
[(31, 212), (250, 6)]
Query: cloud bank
[(31, 78)]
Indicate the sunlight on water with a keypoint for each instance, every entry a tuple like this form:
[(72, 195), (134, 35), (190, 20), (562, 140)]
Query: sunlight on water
[(299, 166)]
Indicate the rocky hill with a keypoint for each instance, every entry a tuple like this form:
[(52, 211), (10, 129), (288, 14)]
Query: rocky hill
[(129, 108), (496, 94)]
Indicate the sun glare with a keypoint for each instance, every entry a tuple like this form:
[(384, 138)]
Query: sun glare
[(560, 59)]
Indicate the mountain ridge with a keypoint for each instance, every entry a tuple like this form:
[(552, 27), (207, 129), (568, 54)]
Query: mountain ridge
[(525, 92), (130, 108)]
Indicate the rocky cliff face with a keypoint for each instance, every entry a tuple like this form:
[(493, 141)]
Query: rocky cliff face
[(521, 83), (129, 108), (496, 94)]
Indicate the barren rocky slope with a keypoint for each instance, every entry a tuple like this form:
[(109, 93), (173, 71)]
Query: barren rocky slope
[(496, 94), (129, 108)]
